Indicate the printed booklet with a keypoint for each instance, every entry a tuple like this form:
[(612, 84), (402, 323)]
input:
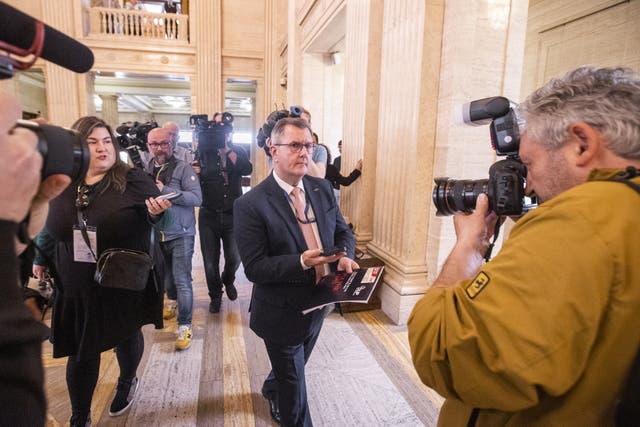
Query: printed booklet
[(356, 287)]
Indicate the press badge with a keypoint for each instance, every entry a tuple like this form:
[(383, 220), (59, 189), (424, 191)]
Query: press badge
[(81, 252)]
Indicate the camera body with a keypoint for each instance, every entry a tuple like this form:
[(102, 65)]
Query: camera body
[(133, 138), (505, 187), (211, 134), (62, 150)]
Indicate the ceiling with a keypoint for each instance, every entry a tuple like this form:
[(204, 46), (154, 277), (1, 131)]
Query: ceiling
[(167, 94), (156, 94)]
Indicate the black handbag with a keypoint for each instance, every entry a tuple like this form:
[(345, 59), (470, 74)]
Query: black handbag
[(120, 268), (124, 269)]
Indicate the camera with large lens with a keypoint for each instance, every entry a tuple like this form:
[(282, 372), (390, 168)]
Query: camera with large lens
[(505, 187), (132, 137), (63, 150), (211, 134)]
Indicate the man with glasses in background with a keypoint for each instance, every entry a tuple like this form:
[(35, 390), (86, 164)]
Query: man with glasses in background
[(177, 235), (179, 152), (282, 226)]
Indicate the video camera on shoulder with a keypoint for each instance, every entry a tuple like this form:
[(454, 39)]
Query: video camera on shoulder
[(133, 138), (211, 134), (505, 187), (264, 132)]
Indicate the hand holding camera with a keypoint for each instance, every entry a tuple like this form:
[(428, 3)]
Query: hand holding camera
[(505, 187), (20, 164)]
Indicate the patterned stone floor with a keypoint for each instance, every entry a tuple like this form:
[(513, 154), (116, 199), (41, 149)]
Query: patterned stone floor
[(360, 373)]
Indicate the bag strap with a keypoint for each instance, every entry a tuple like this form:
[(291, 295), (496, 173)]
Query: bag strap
[(82, 223)]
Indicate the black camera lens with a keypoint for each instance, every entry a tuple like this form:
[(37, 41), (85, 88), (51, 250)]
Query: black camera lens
[(63, 150), (295, 111), (227, 118), (451, 196)]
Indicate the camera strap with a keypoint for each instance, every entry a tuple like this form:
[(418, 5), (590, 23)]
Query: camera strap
[(626, 176), (496, 233), (53, 273), (165, 171)]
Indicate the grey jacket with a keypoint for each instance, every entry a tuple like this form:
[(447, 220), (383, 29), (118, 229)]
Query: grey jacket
[(180, 219)]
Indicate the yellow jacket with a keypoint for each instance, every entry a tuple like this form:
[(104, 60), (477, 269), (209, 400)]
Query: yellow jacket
[(546, 332)]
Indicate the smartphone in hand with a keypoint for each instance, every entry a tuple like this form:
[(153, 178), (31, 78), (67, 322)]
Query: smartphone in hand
[(169, 196), (333, 251)]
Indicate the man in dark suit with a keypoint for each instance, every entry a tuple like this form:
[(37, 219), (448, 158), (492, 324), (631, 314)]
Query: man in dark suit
[(281, 227)]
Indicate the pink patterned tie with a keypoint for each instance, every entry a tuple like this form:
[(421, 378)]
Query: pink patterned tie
[(307, 231)]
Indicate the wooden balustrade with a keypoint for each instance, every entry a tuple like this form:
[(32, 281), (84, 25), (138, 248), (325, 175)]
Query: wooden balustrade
[(122, 23)]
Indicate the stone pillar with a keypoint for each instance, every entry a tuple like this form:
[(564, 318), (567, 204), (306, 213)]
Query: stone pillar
[(66, 90), (360, 128), (409, 75), (435, 57), (294, 57), (267, 89), (110, 109), (205, 30)]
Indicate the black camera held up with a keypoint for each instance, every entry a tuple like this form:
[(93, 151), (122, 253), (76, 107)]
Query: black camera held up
[(133, 138), (211, 134), (62, 150), (505, 187)]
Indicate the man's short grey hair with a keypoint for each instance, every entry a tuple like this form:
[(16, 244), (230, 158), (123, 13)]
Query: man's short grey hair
[(607, 99), (278, 129)]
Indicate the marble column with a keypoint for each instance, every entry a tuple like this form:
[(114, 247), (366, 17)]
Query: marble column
[(267, 89), (294, 57), (206, 32), (409, 75), (66, 91), (435, 56), (110, 109), (360, 124)]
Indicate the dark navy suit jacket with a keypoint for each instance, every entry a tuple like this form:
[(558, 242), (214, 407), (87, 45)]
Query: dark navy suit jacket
[(270, 243)]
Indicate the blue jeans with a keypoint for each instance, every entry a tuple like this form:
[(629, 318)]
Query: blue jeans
[(177, 257), (213, 227)]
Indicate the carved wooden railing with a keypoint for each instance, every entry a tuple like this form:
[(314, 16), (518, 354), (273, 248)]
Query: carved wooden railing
[(122, 23)]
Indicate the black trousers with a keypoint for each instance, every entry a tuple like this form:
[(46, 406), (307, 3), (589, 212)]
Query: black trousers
[(287, 377), (215, 227), (82, 375)]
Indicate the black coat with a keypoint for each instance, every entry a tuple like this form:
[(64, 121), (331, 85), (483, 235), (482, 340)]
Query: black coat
[(87, 318), (22, 394), (270, 243)]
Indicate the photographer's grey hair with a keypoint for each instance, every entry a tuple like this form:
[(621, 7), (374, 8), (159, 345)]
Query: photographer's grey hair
[(607, 99)]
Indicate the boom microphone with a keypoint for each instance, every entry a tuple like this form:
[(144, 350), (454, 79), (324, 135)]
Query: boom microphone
[(18, 29)]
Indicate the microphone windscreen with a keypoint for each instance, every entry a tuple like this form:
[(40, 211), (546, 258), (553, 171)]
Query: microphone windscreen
[(18, 29)]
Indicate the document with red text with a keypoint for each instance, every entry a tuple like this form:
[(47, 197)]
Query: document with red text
[(356, 287)]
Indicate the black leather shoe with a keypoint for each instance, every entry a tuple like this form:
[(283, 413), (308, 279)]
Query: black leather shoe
[(214, 305), (273, 407), (232, 292)]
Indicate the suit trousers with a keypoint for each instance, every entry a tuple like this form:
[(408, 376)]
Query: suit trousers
[(287, 378)]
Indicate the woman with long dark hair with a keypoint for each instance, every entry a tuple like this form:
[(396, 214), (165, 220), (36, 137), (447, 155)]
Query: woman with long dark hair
[(117, 205)]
